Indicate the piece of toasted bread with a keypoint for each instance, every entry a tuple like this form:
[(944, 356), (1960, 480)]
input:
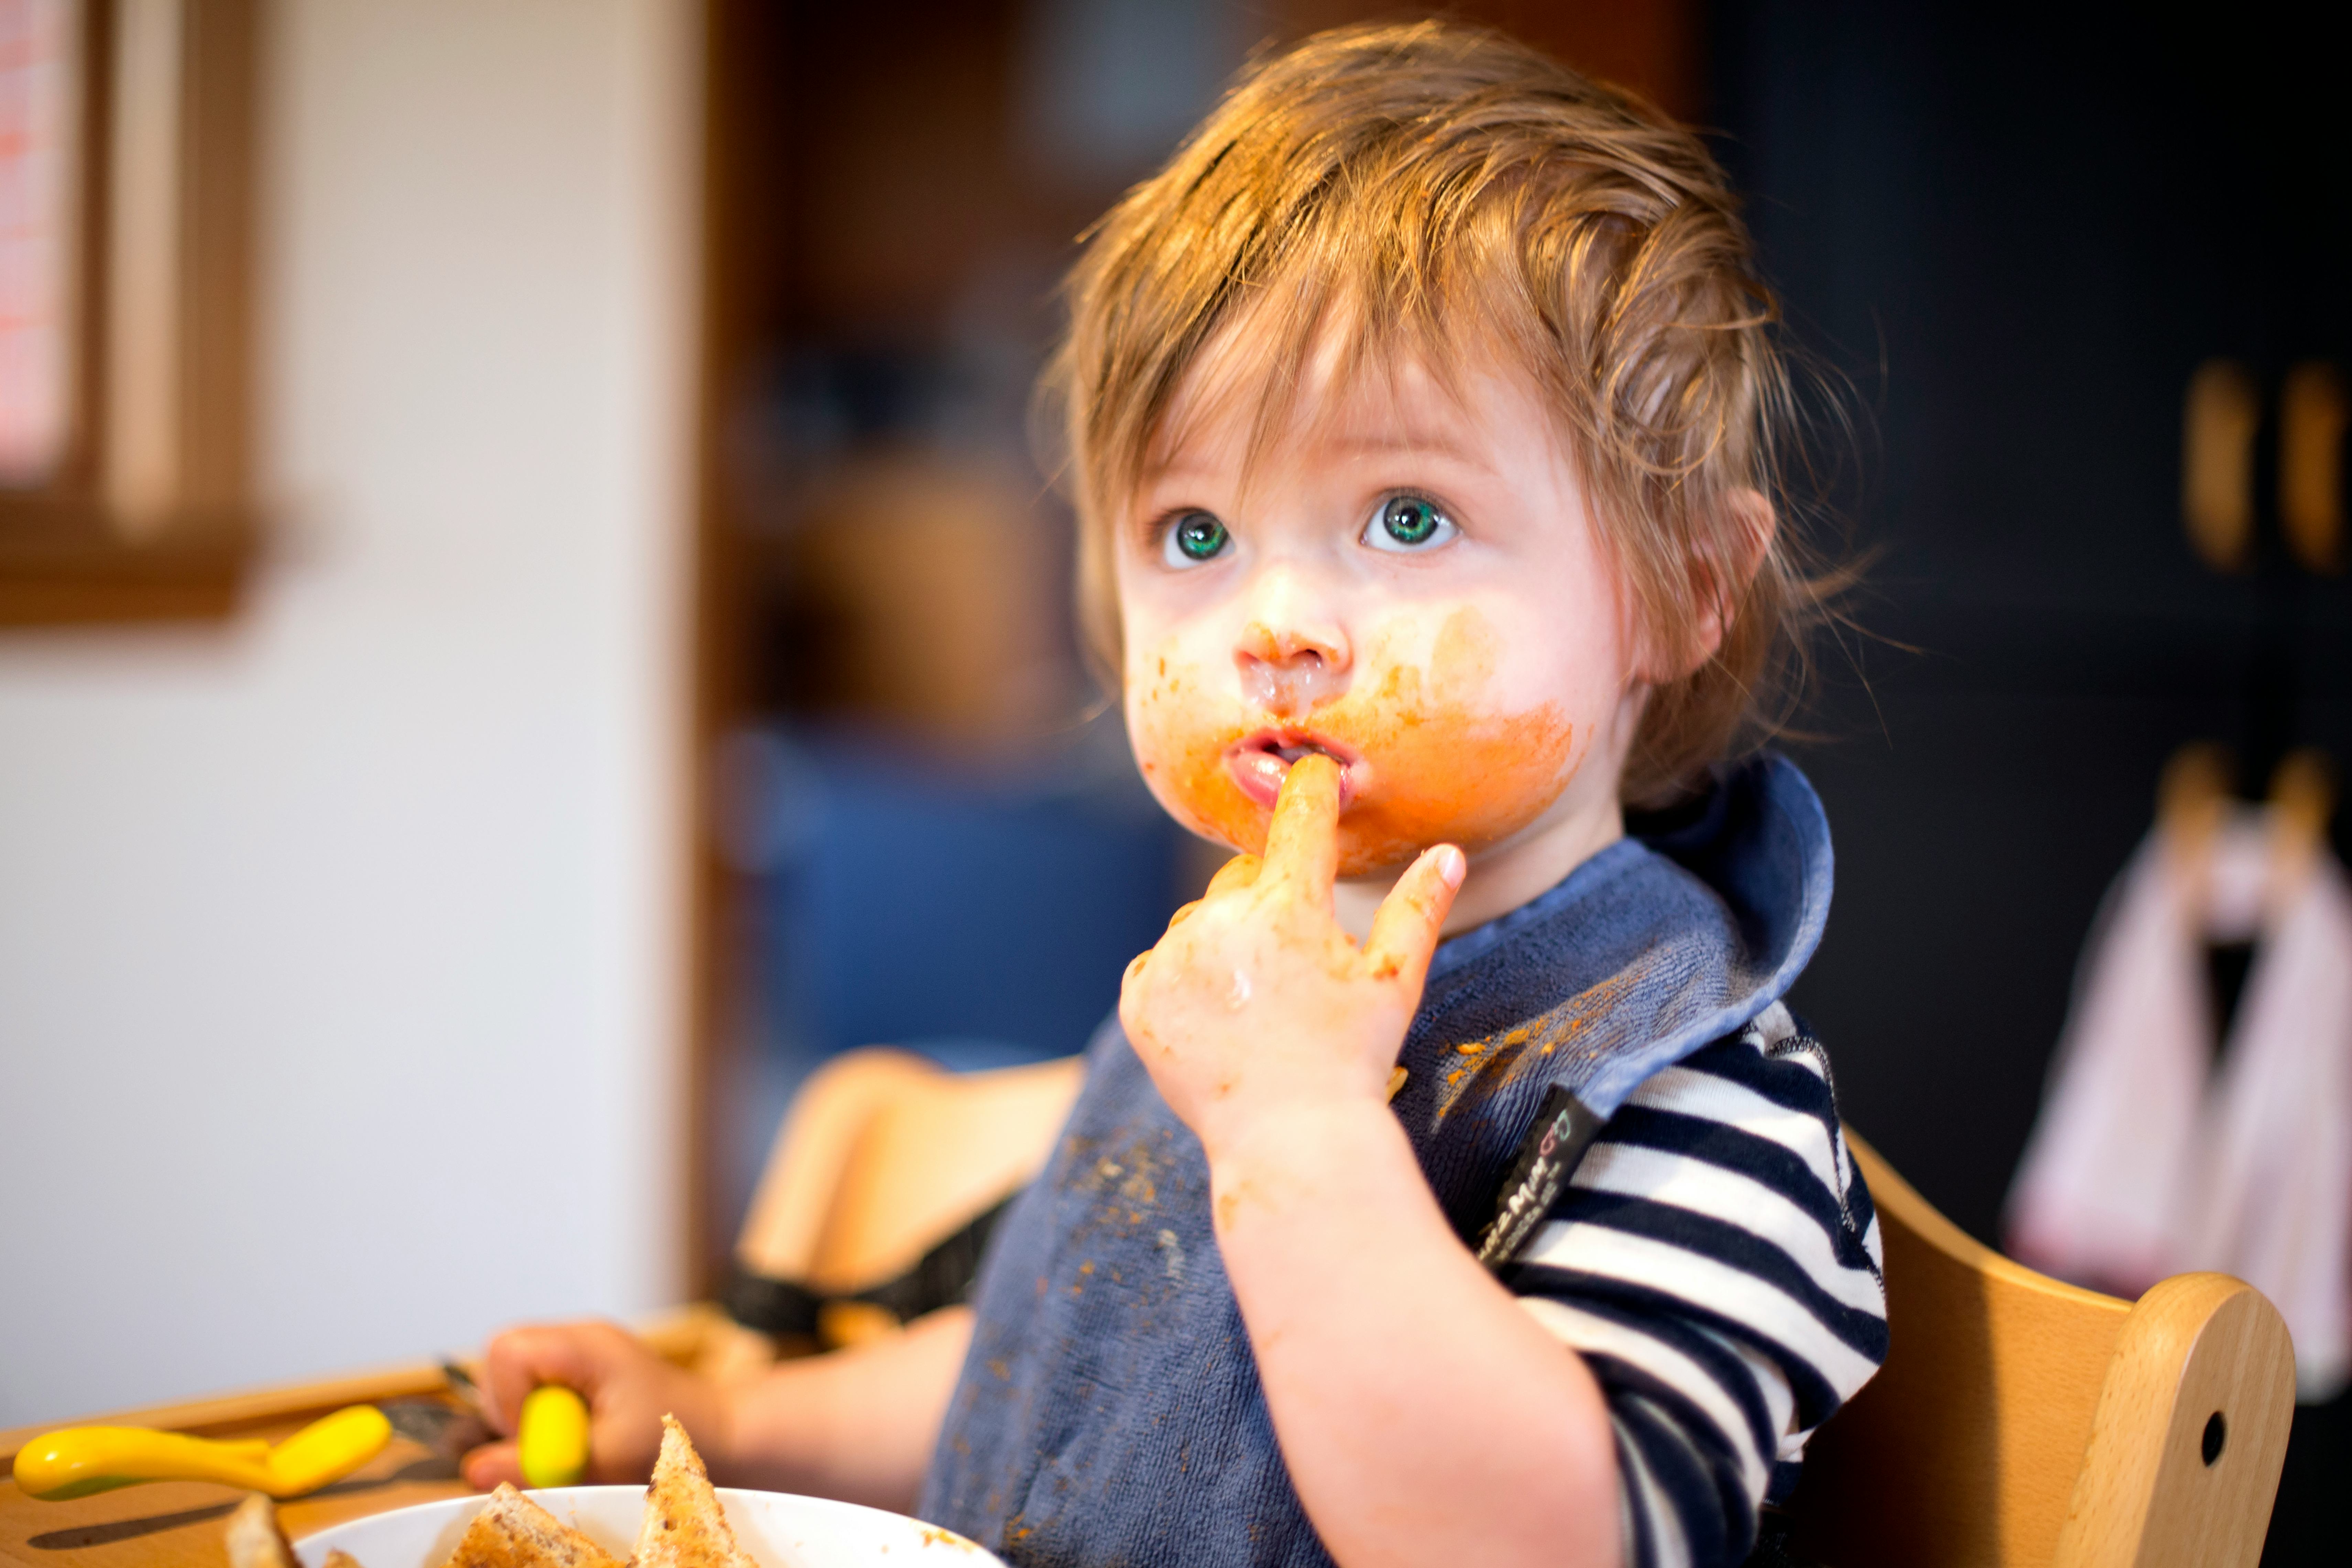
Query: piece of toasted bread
[(255, 1541), (337, 1558), (512, 1531), (685, 1527)]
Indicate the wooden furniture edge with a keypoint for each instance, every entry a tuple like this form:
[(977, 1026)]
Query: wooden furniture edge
[(1890, 1192), (2191, 1434), (68, 567)]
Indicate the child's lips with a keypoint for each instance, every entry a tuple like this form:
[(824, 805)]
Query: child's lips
[(1259, 762)]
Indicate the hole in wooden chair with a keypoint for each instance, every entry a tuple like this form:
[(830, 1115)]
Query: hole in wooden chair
[(2217, 1432)]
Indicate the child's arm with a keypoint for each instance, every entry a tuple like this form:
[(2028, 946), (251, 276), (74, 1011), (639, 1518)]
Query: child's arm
[(858, 1424), (1423, 1415)]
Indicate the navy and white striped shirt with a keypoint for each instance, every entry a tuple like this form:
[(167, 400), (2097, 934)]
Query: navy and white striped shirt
[(1716, 1259)]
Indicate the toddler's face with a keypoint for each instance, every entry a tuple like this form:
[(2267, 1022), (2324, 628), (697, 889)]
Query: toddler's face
[(1410, 581)]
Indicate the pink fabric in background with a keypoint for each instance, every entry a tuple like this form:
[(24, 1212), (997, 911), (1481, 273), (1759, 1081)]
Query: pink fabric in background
[(2146, 1160)]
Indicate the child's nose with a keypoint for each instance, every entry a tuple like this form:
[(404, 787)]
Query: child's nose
[(1291, 669)]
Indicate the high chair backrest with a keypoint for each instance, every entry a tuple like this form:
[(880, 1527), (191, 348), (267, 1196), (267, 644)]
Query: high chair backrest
[(872, 1207), (2021, 1422), (884, 1153)]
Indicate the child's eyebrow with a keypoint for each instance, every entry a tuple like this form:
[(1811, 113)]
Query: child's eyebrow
[(1415, 443), (1183, 469), (1186, 463), (1177, 471)]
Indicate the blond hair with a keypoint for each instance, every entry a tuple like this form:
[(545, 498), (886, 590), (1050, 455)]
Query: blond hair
[(1404, 185)]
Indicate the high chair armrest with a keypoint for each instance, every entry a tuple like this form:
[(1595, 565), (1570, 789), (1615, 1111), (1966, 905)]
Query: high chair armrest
[(2189, 1434)]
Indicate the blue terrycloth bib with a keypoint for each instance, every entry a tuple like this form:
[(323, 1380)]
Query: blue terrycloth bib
[(1109, 1411)]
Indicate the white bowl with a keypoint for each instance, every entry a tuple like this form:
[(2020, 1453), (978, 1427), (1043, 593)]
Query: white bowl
[(780, 1530)]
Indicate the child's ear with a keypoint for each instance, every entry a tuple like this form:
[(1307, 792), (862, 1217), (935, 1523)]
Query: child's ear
[(1728, 556)]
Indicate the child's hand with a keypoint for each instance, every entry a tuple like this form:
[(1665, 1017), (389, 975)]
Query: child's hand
[(628, 1389), (1255, 1005)]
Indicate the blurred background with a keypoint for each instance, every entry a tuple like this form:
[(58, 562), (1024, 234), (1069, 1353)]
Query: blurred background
[(533, 620)]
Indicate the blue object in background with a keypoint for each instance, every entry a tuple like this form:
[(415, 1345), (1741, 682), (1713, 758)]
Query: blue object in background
[(983, 913), (980, 914)]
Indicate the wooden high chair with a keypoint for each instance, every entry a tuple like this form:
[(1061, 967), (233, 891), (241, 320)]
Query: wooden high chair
[(2018, 1422)]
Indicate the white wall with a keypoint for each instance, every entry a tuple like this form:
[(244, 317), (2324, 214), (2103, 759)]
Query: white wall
[(338, 948)]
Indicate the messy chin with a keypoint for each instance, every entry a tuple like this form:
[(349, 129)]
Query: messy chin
[(1384, 822), (1415, 770)]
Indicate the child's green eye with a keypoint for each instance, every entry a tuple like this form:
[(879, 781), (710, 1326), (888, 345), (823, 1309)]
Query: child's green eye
[(1409, 522), (1194, 538)]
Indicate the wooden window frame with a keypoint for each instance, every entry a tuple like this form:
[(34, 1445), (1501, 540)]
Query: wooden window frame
[(97, 542)]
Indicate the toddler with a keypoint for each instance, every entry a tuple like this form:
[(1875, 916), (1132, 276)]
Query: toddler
[(1453, 1184)]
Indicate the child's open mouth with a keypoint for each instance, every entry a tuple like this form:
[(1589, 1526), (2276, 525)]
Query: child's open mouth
[(1258, 762)]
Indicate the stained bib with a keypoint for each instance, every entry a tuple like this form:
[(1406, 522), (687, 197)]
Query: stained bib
[(1110, 1409)]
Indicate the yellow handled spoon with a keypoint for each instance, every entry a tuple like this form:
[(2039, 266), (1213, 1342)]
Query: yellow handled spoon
[(79, 1460), (551, 1436)]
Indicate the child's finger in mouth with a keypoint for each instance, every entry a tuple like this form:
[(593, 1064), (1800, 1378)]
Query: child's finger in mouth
[(1260, 762), (1302, 842)]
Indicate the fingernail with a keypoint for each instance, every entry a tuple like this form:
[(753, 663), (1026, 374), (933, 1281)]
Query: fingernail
[(1451, 866)]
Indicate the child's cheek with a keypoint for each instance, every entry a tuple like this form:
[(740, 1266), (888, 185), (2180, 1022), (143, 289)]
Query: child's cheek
[(1181, 724), (1450, 760), (1453, 759)]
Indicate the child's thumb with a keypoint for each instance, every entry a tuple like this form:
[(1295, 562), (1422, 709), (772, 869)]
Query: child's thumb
[(1405, 930)]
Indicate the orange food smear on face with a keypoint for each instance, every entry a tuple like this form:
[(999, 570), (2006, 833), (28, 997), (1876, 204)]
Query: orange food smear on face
[(1444, 766)]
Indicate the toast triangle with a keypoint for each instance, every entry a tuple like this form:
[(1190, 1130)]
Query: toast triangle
[(254, 1540), (512, 1531), (685, 1526)]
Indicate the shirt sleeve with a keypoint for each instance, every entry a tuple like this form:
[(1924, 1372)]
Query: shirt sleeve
[(1716, 1259)]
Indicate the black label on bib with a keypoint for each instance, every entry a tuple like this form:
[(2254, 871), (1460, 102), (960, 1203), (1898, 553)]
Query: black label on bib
[(1563, 1128)]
